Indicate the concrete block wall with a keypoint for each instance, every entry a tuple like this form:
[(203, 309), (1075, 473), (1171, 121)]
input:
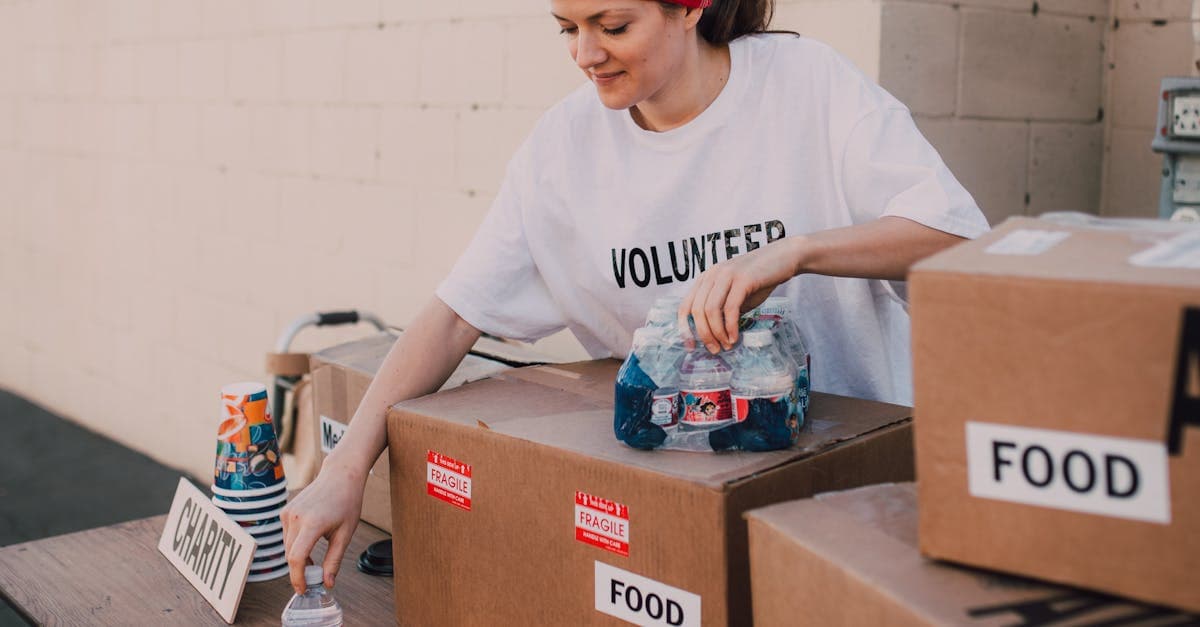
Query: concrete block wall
[(1149, 40), (1010, 92), (181, 178)]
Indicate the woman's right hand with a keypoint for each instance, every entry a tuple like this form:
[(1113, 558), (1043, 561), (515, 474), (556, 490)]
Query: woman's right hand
[(328, 508)]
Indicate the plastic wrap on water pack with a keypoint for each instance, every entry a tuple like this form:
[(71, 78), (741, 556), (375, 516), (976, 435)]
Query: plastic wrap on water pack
[(753, 397)]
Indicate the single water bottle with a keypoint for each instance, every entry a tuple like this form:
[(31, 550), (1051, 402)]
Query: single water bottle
[(704, 390), (316, 607), (664, 312), (787, 335), (763, 379)]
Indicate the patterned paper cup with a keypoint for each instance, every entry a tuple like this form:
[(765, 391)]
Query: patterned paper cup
[(248, 495), (267, 575), (250, 507), (268, 540), (267, 564), (258, 531), (250, 504), (256, 518), (271, 551), (247, 456)]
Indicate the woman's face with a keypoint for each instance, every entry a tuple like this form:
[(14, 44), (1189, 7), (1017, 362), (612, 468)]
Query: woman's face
[(629, 48)]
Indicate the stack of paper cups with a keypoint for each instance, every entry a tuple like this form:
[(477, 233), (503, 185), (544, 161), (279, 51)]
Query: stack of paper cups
[(248, 480)]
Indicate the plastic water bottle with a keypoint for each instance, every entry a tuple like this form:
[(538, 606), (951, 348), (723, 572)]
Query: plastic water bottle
[(316, 607), (704, 390), (660, 352), (762, 374), (777, 310), (664, 312)]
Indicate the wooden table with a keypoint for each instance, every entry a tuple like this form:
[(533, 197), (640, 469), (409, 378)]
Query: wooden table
[(116, 576)]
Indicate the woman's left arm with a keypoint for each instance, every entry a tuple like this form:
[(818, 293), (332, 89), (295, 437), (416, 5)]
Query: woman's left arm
[(883, 248)]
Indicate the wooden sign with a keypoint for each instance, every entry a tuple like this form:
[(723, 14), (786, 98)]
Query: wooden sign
[(212, 551)]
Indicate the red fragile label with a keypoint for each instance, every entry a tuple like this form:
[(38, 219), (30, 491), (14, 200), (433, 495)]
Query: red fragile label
[(448, 479), (602, 523)]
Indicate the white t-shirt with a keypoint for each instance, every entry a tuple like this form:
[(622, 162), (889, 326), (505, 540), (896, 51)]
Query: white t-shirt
[(597, 217)]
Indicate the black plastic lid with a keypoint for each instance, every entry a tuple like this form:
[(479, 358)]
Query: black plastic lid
[(377, 559)]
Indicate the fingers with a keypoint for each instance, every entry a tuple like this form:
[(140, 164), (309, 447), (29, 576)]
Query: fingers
[(298, 556), (700, 318), (337, 549)]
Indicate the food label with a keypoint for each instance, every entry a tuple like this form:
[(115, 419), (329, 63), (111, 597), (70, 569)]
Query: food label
[(644, 601)]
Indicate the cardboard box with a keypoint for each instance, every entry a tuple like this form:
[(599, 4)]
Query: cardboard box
[(513, 504), (851, 558), (340, 377), (1057, 386)]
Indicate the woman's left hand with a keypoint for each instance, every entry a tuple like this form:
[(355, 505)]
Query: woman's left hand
[(723, 292)]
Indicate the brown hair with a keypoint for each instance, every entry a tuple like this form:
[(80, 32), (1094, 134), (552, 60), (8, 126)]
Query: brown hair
[(727, 20)]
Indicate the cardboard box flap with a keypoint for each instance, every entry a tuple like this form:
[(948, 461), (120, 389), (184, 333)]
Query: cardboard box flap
[(870, 534), (366, 355), (593, 379), (1083, 254), (578, 422)]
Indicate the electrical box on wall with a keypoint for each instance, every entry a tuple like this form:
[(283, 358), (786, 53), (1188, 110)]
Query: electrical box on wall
[(1178, 139)]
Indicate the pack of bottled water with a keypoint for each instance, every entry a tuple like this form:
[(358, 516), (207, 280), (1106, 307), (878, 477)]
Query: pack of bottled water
[(753, 397)]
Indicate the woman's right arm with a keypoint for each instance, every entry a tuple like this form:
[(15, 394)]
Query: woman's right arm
[(420, 361)]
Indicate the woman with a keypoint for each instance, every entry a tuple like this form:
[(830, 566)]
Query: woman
[(703, 159)]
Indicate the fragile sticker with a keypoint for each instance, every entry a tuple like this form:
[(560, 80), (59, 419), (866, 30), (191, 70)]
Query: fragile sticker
[(448, 479), (602, 523)]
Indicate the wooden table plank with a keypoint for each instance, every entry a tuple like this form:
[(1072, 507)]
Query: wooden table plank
[(116, 576)]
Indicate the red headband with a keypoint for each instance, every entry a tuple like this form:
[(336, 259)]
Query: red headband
[(692, 4)]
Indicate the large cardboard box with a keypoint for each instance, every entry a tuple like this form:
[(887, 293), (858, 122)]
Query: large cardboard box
[(1057, 387), (513, 504), (340, 377), (850, 558)]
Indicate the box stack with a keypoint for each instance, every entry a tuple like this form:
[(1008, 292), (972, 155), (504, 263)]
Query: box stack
[(1057, 389), (513, 504), (248, 480)]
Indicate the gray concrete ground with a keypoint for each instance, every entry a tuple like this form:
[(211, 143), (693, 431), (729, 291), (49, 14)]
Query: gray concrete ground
[(57, 477)]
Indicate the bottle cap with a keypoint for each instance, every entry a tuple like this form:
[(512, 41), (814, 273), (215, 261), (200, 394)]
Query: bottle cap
[(313, 575), (757, 338)]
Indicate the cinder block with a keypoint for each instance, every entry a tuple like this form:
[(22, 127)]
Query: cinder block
[(255, 67), (379, 222), (447, 221), (126, 129), (473, 9), (1152, 9), (454, 71), (308, 210), (539, 70), (408, 11), (158, 71), (279, 138), (179, 19), (223, 18), (312, 66), (251, 205), (1080, 8), (130, 20), (44, 66), (1142, 55), (1065, 167), (1024, 66), (345, 141), (852, 27), (417, 147), (8, 123), (919, 56), (989, 158), (486, 142), (382, 65), (79, 72), (1133, 174), (202, 64), (118, 72), (279, 15), (177, 131), (323, 13), (247, 331), (225, 134)]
